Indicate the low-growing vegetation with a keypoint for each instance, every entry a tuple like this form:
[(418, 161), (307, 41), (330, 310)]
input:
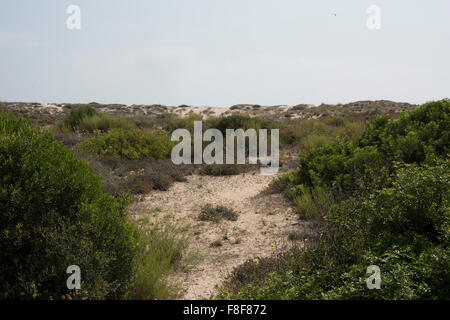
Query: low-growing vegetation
[(163, 249), (254, 272), (86, 119), (217, 213), (137, 177)]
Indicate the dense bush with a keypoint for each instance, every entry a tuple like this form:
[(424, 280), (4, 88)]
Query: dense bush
[(130, 144), (417, 136), (77, 116), (404, 229), (53, 214), (384, 200)]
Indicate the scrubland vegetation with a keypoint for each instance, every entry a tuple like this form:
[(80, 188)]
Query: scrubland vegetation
[(376, 191), (55, 214), (378, 199)]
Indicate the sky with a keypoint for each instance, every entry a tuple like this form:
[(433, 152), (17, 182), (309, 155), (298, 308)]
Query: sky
[(221, 53)]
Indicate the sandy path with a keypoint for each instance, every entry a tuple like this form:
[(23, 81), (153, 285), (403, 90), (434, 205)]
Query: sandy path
[(263, 224)]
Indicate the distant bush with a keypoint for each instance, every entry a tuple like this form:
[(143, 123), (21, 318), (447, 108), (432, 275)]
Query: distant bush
[(104, 123), (217, 213), (237, 121), (312, 133), (86, 119), (170, 121), (336, 121), (77, 116), (53, 214), (130, 144), (384, 199)]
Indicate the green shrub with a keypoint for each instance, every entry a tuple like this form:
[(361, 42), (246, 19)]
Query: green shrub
[(86, 119), (104, 123), (130, 144), (53, 214), (417, 136), (385, 197), (312, 133), (315, 202), (315, 141), (122, 176), (217, 213), (77, 116), (163, 248), (404, 229)]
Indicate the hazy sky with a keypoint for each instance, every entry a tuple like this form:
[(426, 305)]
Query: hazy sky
[(217, 52)]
